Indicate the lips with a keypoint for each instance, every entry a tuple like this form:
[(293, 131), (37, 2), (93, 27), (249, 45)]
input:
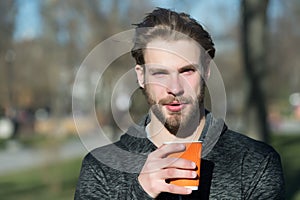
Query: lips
[(175, 106)]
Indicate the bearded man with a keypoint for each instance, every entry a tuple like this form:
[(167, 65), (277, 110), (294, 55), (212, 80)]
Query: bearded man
[(172, 53)]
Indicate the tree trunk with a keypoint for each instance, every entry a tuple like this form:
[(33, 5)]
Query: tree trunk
[(254, 52)]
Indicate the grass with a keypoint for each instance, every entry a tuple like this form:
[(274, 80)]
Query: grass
[(288, 146), (58, 180)]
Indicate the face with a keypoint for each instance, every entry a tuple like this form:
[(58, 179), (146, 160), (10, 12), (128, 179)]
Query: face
[(172, 83)]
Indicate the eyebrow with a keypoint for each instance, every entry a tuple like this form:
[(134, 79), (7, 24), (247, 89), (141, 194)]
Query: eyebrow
[(188, 67), (157, 69)]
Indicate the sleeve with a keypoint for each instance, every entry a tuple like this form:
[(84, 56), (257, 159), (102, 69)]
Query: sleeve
[(136, 192), (267, 182), (94, 183)]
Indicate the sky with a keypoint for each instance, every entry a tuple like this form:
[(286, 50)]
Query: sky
[(215, 15), (28, 20), (206, 11)]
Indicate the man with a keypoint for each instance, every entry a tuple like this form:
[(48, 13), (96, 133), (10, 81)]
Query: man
[(172, 53)]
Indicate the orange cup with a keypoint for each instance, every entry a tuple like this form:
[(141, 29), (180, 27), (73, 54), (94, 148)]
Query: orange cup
[(192, 153)]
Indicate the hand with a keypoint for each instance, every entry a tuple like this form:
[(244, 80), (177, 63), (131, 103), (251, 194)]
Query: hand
[(158, 168)]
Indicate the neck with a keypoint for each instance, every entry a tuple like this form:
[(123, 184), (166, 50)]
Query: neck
[(158, 134)]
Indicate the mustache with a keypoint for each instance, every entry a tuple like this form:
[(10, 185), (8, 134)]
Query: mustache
[(180, 99)]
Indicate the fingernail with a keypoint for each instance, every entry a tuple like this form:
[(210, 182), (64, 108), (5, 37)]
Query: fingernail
[(194, 174), (193, 165), (181, 146), (189, 190)]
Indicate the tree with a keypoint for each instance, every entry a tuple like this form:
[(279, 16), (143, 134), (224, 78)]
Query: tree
[(7, 55), (254, 55)]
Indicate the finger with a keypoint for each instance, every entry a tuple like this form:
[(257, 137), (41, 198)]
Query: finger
[(181, 163), (173, 173), (167, 149), (170, 162), (170, 188)]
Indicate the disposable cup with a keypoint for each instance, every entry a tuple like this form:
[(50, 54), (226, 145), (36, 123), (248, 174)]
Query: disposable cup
[(192, 153)]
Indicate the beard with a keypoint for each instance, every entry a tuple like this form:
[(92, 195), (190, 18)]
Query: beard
[(184, 122)]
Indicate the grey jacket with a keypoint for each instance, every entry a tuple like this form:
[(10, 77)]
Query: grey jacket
[(237, 167)]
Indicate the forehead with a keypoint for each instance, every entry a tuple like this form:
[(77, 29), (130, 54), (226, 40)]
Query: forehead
[(172, 53)]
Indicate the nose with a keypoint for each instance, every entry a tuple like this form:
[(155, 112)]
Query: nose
[(175, 86)]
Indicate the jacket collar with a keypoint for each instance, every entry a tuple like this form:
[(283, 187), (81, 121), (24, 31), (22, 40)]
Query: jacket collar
[(135, 139)]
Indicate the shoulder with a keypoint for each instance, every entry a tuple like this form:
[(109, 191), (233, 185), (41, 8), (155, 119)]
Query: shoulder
[(237, 151), (241, 147), (114, 157), (98, 159), (100, 155)]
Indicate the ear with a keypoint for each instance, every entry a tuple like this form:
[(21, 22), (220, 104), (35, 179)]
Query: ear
[(207, 70), (207, 73), (139, 70)]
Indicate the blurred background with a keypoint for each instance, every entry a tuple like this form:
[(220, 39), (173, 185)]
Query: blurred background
[(44, 42)]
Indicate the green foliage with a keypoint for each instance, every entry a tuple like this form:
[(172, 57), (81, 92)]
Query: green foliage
[(2, 143), (288, 146)]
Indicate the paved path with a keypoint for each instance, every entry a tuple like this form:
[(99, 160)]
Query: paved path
[(16, 157)]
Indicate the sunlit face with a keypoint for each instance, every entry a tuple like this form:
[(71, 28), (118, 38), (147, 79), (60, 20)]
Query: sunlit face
[(172, 82)]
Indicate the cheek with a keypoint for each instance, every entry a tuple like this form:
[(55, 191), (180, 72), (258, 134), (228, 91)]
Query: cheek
[(153, 91), (192, 87), (156, 90)]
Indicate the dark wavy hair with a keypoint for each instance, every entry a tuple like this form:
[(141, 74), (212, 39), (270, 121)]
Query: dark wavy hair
[(171, 26)]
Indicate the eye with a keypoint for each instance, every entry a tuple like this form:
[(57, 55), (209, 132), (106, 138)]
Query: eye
[(188, 71), (159, 73)]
